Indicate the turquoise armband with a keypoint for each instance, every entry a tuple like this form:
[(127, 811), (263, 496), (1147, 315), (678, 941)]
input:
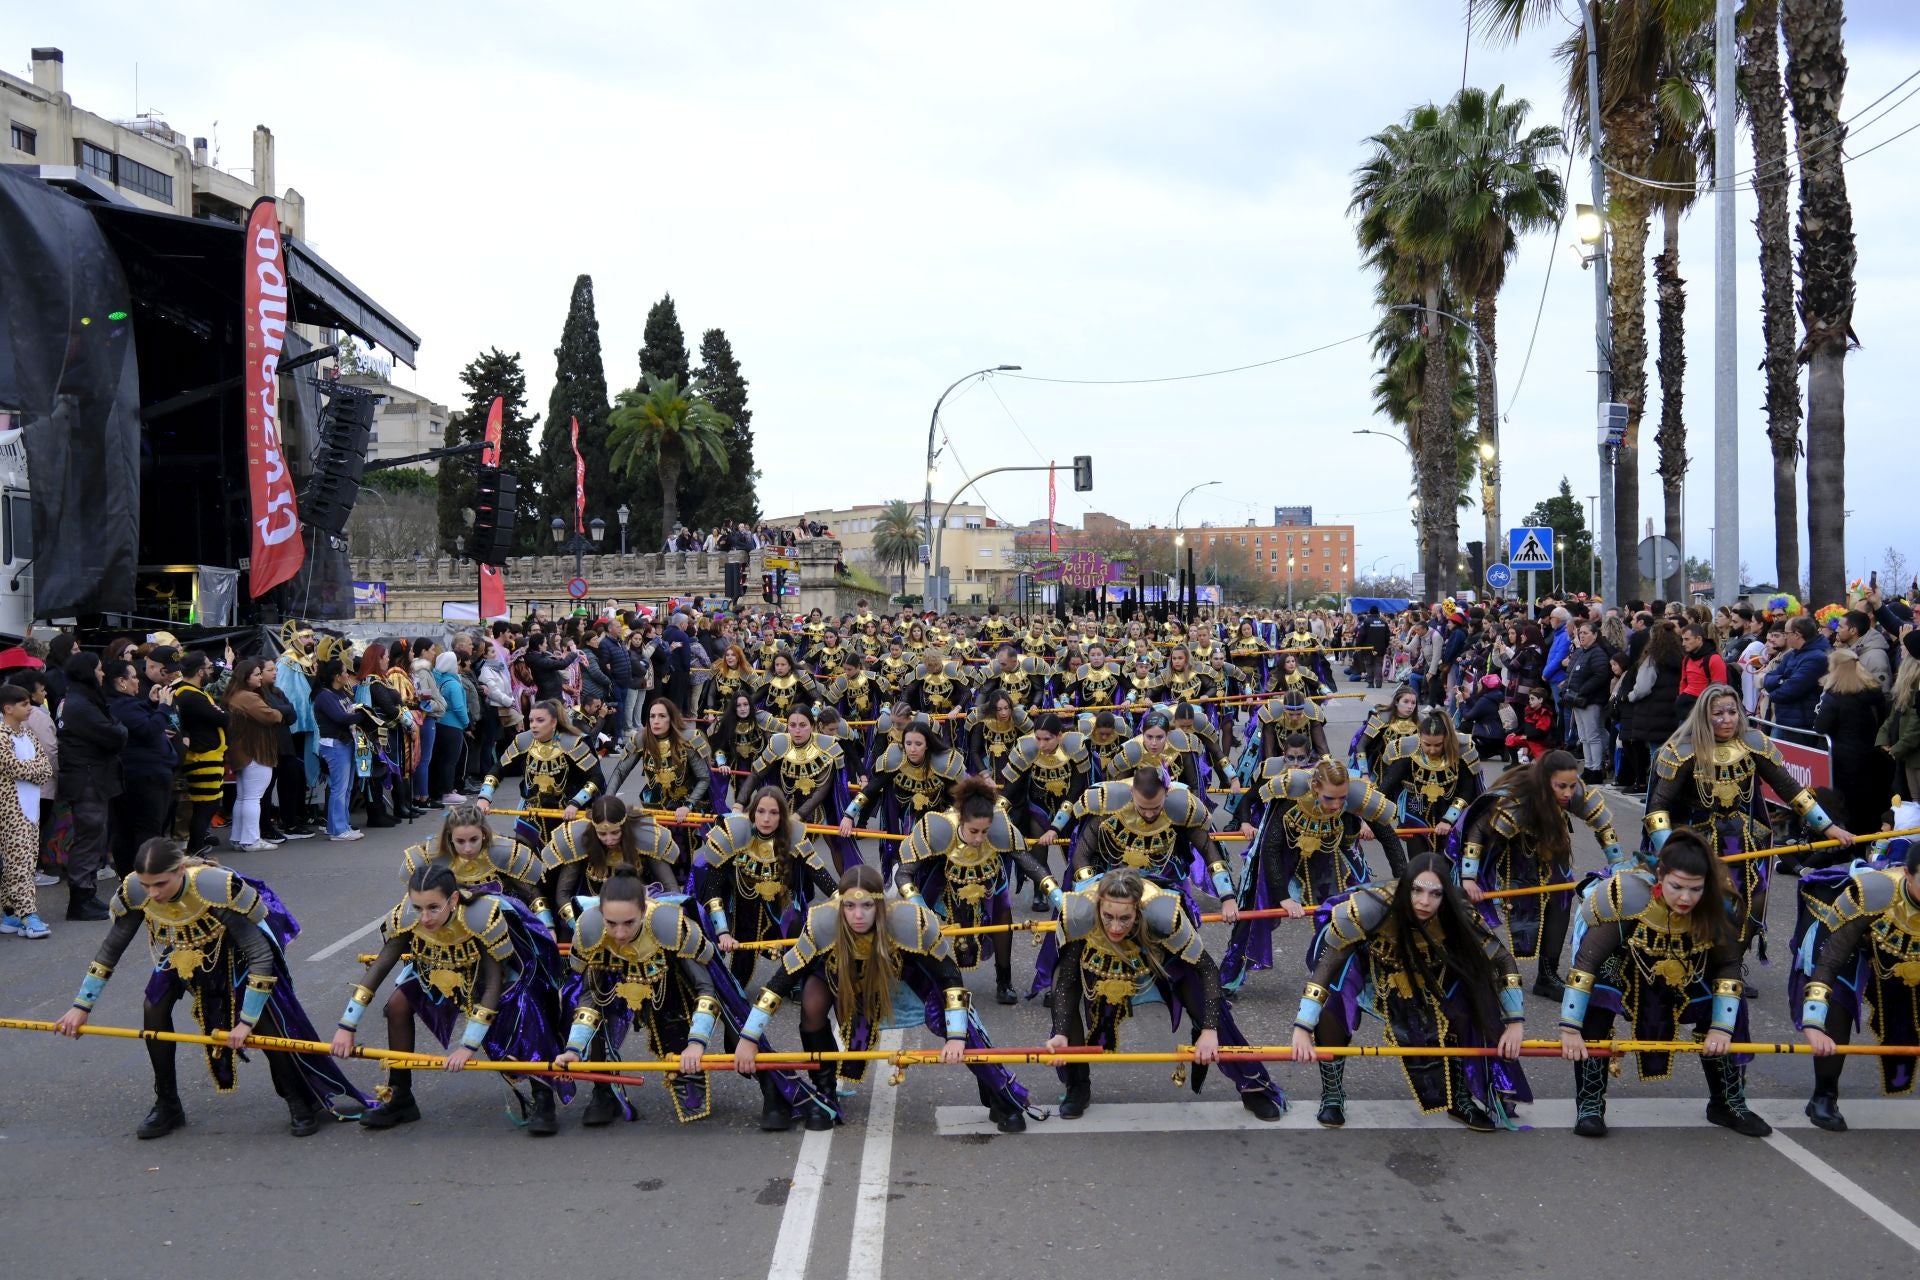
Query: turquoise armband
[(479, 1022), (254, 1003), (92, 985), (580, 1038), (1573, 1005), (1615, 855), (1513, 1004), (1817, 819), (763, 1010), (1452, 815), (1062, 818), (1313, 1003), (486, 789), (705, 1016), (356, 1008), (1469, 863), (1726, 1004), (717, 912), (1813, 1013), (956, 1013), (1222, 881), (583, 796)]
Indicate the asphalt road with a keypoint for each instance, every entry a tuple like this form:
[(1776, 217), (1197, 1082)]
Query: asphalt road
[(1152, 1180)]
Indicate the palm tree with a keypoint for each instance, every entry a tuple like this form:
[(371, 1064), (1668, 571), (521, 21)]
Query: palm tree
[(1391, 194), (1630, 39), (1682, 150), (1494, 188), (1816, 77), (1772, 187), (897, 539), (1396, 394), (674, 430)]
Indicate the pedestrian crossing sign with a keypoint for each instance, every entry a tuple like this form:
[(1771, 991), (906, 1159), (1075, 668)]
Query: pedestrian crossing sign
[(1530, 548)]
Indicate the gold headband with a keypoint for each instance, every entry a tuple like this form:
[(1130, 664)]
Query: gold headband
[(857, 894)]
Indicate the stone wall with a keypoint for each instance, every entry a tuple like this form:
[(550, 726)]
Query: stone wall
[(418, 588)]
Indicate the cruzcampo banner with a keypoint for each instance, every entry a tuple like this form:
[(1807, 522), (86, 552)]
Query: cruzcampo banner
[(277, 549)]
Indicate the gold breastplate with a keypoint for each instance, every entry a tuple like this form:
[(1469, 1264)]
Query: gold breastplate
[(783, 694), (939, 691), (1112, 973), (1398, 729), (728, 682), (805, 770), (1097, 687), (1144, 846), (761, 873), (639, 969), (1018, 686), (546, 767), (830, 657), (1723, 778), (920, 787), (1053, 773), (1313, 833), (973, 872), (1433, 780), (1665, 950), (448, 960), (666, 771), (1185, 686), (1429, 959), (860, 696), (468, 872), (183, 934), (998, 739), (1109, 756)]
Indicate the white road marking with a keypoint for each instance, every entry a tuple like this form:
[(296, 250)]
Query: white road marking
[(1846, 1188), (1548, 1113), (865, 1257), (795, 1241), (365, 929)]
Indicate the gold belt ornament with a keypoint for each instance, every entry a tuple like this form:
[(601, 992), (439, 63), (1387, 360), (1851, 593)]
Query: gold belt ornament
[(635, 993), (186, 961), (447, 982)]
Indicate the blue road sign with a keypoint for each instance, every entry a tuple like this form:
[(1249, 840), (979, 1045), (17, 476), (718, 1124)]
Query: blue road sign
[(1499, 576), (1530, 548)]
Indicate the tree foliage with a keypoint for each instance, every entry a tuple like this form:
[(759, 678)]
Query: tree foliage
[(1566, 515), (491, 373), (724, 498), (579, 392), (897, 539), (671, 431)]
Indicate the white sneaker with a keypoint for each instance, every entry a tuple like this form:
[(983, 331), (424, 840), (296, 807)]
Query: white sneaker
[(258, 846), (45, 881), (452, 798), (349, 834)]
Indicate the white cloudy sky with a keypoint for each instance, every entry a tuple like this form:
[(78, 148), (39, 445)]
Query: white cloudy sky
[(873, 199)]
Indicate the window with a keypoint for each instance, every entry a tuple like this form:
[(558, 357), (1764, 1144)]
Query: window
[(25, 139), (986, 553), (97, 161), (1343, 535), (135, 176), (16, 524)]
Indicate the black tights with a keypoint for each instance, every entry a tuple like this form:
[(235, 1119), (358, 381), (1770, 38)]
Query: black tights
[(1826, 1071), (161, 1055)]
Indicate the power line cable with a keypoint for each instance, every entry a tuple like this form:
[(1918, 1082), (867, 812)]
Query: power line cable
[(1188, 377)]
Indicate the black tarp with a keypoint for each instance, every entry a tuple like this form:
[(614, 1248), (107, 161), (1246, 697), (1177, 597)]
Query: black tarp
[(68, 368)]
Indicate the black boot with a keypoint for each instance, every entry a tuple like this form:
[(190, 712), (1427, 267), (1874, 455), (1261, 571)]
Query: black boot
[(1466, 1109), (1079, 1091), (1824, 1110), (1553, 940), (397, 1107), (167, 1114), (1003, 992), (1261, 1104), (82, 905), (826, 1081), (603, 1107), (1004, 1112), (1333, 1094), (303, 1118), (541, 1121), (1590, 1098), (1727, 1098), (379, 813), (775, 1115)]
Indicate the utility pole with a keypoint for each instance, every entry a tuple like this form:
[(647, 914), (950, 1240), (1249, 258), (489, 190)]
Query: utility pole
[(1610, 572), (1726, 344)]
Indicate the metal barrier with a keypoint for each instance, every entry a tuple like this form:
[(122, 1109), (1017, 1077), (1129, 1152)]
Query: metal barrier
[(1808, 756)]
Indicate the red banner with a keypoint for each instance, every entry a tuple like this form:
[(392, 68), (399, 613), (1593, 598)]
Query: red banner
[(493, 586), (277, 550), (1053, 536), (579, 483)]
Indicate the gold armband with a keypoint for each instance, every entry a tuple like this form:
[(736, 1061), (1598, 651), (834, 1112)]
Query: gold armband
[(1659, 821), (1803, 802), (1728, 987), (1580, 980), (104, 971), (587, 1017), (481, 1014), (1818, 991), (362, 994), (1315, 991), (1514, 980), (768, 1003), (707, 1004), (956, 997), (261, 982)]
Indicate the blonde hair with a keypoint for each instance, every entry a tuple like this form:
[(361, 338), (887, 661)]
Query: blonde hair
[(1845, 675), (1906, 684)]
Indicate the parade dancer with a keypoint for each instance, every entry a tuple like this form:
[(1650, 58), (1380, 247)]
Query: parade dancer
[(584, 853), (1385, 725), (1518, 835), (1863, 949), (1123, 938), (1415, 953), (993, 727), (786, 687), (220, 938), (676, 762), (1046, 773), (483, 861), (639, 960), (1708, 776), (461, 955), (1660, 949), (739, 736), (960, 862), (558, 768), (909, 781), (862, 957), (811, 768), (1431, 777)]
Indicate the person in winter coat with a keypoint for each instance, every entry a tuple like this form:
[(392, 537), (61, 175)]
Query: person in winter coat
[(496, 693), (1584, 696), (1480, 718), (1650, 711), (253, 751), (1851, 709), (1793, 686), (1539, 728), (1899, 736), (1857, 632), (548, 669), (91, 741), (451, 737), (147, 762), (285, 818), (617, 661), (431, 706)]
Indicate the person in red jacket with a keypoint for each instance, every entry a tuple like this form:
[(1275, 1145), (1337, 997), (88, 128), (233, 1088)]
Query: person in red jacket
[(1539, 728), (1701, 667)]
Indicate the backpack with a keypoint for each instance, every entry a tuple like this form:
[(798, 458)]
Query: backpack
[(1509, 718)]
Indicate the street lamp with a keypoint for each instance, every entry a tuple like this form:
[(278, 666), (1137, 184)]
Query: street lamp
[(460, 547), (578, 544), (1179, 535), (623, 513), (1387, 435), (933, 423)]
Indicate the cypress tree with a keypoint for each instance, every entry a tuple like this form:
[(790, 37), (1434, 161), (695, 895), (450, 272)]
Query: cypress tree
[(491, 373), (579, 391), (663, 354), (730, 498)]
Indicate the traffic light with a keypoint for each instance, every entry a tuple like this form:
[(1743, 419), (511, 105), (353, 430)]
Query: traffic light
[(1082, 473), (495, 508), (1477, 563), (736, 581), (766, 587)]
